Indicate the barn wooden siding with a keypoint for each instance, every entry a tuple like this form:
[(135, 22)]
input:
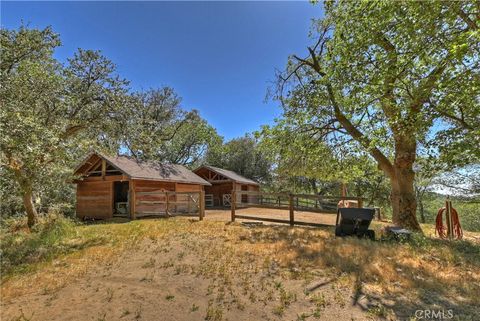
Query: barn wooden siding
[(95, 196), (95, 199)]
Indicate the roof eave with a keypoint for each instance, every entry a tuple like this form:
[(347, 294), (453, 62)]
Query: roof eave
[(248, 183), (84, 161), (229, 178)]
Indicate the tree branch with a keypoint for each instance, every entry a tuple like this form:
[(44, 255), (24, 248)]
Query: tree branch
[(381, 159), (472, 25), (460, 120)]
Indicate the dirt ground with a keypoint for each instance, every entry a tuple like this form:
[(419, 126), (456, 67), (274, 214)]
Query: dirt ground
[(214, 270), (142, 285), (185, 277), (225, 215)]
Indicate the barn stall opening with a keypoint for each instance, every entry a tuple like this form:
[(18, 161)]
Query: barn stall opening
[(111, 186), (223, 182)]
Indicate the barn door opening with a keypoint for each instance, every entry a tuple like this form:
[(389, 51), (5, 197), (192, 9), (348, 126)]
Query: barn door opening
[(120, 198)]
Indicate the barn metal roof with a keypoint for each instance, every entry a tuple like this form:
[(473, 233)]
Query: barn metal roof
[(229, 174), (149, 170)]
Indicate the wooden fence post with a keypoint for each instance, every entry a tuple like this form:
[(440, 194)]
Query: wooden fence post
[(202, 205), (233, 200), (448, 214), (132, 200), (360, 202), (290, 201)]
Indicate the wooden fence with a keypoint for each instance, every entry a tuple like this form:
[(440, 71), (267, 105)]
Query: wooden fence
[(292, 202), (169, 204)]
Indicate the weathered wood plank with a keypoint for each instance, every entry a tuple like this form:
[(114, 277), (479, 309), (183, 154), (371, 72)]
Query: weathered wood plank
[(275, 220), (291, 210)]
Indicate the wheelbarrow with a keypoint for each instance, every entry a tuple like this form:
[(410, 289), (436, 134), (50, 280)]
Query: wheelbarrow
[(354, 222)]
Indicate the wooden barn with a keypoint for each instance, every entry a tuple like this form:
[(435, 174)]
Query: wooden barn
[(223, 182), (122, 186)]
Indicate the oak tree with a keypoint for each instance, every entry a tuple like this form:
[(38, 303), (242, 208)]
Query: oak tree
[(50, 111), (393, 77)]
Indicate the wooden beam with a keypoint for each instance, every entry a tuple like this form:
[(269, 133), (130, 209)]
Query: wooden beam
[(166, 205), (275, 220), (219, 181), (290, 203), (107, 171), (218, 177), (107, 178), (92, 164), (202, 205), (233, 203), (132, 199), (104, 168), (112, 190)]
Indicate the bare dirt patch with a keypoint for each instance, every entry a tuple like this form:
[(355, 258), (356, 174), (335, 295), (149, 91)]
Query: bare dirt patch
[(181, 269), (186, 277)]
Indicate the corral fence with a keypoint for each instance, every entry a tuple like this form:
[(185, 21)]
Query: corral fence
[(290, 202), (160, 203)]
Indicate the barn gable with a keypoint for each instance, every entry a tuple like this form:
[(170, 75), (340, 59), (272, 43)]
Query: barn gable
[(224, 182), (121, 185), (216, 174)]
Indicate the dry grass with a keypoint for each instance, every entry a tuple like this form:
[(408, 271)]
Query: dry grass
[(264, 272)]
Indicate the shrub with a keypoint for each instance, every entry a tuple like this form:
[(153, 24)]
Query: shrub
[(21, 247)]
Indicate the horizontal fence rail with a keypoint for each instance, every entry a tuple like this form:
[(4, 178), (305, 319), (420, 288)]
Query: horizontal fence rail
[(301, 202), (292, 202), (159, 203)]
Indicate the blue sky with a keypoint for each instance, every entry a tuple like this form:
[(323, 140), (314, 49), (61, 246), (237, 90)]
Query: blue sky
[(219, 56)]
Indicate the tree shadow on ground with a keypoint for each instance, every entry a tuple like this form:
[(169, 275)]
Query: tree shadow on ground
[(402, 277)]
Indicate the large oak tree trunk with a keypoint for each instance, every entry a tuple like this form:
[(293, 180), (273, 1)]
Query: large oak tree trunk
[(26, 188), (404, 203), (29, 207)]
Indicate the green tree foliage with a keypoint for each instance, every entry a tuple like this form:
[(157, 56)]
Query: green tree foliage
[(306, 164), (53, 113), (467, 209), (191, 142), (390, 77), (152, 119), (296, 152), (463, 182), (156, 127), (243, 156), (50, 111)]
